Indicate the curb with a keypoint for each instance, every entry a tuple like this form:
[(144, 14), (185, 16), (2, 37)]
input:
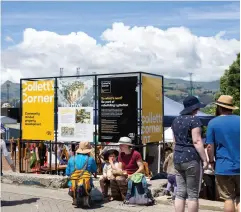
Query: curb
[(48, 183), (201, 206)]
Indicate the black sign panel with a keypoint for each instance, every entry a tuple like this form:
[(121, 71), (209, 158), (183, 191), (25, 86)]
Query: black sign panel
[(117, 108)]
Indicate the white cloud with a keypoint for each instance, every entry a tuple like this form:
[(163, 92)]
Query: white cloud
[(173, 53), (9, 39)]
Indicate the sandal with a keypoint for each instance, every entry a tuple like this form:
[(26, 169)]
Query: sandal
[(111, 199)]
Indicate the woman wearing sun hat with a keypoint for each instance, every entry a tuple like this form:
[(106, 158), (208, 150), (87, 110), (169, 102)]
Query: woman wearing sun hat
[(81, 161), (130, 162), (188, 154), (223, 139), (78, 161)]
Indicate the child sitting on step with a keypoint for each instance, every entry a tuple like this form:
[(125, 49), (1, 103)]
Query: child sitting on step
[(168, 167), (110, 157)]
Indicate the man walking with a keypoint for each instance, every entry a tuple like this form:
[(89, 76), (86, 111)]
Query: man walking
[(223, 139)]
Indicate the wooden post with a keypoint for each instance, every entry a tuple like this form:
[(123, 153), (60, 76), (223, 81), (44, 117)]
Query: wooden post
[(11, 148), (19, 149)]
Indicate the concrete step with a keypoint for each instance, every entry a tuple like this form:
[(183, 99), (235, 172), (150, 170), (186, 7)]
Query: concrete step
[(59, 182)]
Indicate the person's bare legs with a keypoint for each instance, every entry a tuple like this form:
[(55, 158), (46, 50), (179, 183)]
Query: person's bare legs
[(103, 186), (192, 205), (179, 205), (229, 206), (194, 176), (181, 193), (237, 205)]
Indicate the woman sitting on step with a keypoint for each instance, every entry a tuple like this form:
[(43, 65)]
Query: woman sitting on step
[(77, 164), (129, 163)]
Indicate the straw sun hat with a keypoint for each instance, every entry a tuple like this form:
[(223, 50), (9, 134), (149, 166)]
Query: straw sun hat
[(84, 147), (226, 102)]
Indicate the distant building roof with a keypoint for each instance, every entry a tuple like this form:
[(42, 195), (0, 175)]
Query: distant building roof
[(7, 120)]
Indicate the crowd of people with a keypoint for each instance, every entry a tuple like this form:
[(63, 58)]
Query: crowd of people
[(222, 155), (191, 161), (119, 169)]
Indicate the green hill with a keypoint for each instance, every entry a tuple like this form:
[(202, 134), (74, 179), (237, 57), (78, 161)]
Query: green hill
[(176, 89)]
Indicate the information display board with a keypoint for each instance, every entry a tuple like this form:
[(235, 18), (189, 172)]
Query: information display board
[(38, 110), (152, 109), (117, 105)]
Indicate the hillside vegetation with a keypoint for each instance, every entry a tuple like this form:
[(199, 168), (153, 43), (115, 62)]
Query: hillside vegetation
[(175, 89)]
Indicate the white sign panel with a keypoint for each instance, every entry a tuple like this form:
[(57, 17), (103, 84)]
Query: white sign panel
[(75, 124)]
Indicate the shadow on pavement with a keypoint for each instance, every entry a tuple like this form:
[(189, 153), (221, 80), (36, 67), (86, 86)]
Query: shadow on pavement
[(94, 205), (18, 202)]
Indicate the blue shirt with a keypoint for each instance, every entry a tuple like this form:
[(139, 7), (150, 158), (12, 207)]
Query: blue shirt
[(182, 129), (224, 133), (79, 161)]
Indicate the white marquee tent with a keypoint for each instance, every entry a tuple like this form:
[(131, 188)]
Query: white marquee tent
[(168, 136)]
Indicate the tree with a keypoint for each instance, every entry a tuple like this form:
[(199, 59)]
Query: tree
[(209, 110), (230, 83)]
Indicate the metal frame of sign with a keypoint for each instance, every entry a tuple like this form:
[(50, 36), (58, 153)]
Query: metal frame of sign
[(96, 114)]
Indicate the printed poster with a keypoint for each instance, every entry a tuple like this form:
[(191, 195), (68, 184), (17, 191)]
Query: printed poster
[(152, 109), (75, 109), (75, 123), (117, 105), (38, 110)]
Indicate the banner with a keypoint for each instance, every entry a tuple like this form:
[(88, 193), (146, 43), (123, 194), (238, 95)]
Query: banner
[(75, 123), (117, 108), (75, 109), (38, 110), (152, 109)]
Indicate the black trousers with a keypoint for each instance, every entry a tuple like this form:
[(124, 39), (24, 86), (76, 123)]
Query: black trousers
[(209, 181)]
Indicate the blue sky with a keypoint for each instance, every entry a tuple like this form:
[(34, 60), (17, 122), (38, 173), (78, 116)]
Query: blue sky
[(202, 18)]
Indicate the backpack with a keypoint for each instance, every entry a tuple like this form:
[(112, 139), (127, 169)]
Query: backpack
[(138, 193), (81, 183)]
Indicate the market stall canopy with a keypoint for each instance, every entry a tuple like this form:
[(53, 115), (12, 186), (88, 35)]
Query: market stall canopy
[(168, 135), (173, 108)]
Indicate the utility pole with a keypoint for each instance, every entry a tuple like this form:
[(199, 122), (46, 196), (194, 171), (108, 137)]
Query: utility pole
[(61, 72), (8, 86), (191, 84), (78, 72)]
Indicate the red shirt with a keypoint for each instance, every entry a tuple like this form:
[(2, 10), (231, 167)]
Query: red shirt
[(129, 162)]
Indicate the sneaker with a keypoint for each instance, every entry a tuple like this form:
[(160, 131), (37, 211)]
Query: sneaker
[(86, 201), (167, 193)]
